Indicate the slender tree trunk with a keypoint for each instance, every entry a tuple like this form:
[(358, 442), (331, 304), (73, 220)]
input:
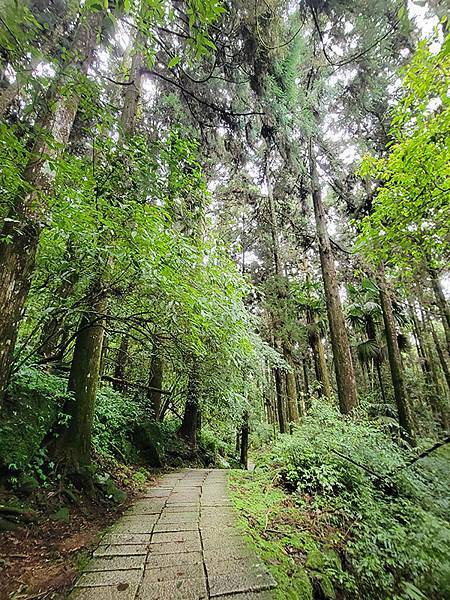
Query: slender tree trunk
[(244, 441), (291, 387), (155, 381), (343, 362), (20, 235), (74, 444), (305, 360), (318, 352), (121, 363), (133, 90), (401, 400), (280, 400), (441, 355), (444, 308), (188, 428)]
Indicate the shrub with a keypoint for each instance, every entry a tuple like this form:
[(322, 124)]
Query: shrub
[(35, 401), (390, 517)]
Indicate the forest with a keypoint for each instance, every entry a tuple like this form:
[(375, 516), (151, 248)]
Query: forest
[(224, 244)]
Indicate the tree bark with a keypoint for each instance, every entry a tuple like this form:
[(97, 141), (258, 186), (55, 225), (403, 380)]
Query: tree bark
[(189, 424), (155, 381), (121, 364), (318, 352), (21, 231), (74, 445), (343, 362), (280, 400), (291, 390), (404, 412), (244, 441), (443, 306)]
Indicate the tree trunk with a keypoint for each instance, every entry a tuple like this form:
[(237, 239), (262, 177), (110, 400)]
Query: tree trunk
[(244, 441), (343, 362), (280, 400), (443, 306), (133, 89), (441, 355), (188, 427), (318, 352), (121, 364), (155, 381), (401, 400), (74, 445), (20, 235), (291, 390)]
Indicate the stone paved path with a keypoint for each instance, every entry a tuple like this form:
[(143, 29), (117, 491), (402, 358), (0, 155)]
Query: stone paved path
[(178, 542)]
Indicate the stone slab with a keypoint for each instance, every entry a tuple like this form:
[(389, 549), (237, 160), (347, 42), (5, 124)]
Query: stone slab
[(105, 593), (174, 547), (115, 578), (114, 563), (176, 536), (121, 550), (178, 526), (163, 561), (185, 589), (126, 538), (174, 573), (238, 582)]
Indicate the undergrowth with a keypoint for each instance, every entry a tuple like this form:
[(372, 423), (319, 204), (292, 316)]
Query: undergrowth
[(328, 527)]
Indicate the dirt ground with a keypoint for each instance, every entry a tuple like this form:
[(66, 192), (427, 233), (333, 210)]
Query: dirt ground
[(41, 561)]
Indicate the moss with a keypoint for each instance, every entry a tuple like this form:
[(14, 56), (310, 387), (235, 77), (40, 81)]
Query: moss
[(33, 405), (258, 504)]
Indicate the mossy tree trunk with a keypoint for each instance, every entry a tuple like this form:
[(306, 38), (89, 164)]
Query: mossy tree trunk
[(245, 430), (21, 231), (443, 306), (189, 424), (74, 445), (343, 361), (404, 412), (318, 352), (155, 381)]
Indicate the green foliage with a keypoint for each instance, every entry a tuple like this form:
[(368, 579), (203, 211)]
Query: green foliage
[(116, 417), (409, 223), (35, 401), (389, 520)]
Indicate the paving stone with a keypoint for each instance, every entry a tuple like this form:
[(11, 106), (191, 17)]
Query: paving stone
[(157, 493), (114, 563), (121, 550), (194, 509), (121, 592), (216, 539), (116, 578), (175, 536), (146, 507), (173, 517), (243, 581), (160, 548), (218, 533), (224, 553), (136, 524), (126, 538), (174, 572), (184, 589), (177, 526), (167, 560), (174, 547), (249, 564)]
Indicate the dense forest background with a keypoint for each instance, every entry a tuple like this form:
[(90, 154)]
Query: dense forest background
[(224, 222)]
